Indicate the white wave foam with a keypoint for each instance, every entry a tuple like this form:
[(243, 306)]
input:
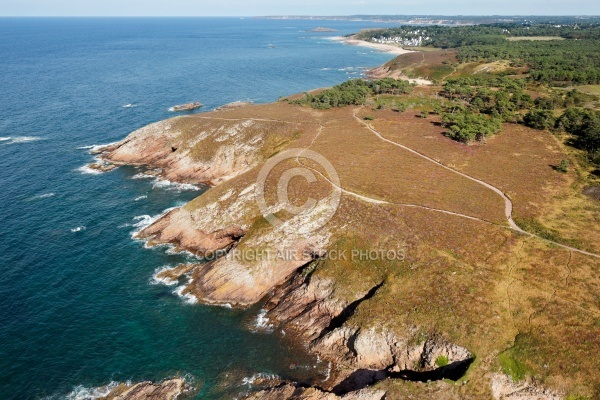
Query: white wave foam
[(85, 169), (25, 139), (143, 175), (78, 229), (20, 139), (168, 185), (328, 373), (145, 221), (140, 198), (82, 393), (249, 380), (163, 281), (188, 298), (173, 251), (262, 322), (129, 105), (44, 196), (94, 148)]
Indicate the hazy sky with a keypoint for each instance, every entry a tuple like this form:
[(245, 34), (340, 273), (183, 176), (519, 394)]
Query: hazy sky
[(295, 7)]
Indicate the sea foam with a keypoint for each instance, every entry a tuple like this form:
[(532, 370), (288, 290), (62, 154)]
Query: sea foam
[(168, 185), (188, 298), (250, 380), (163, 281), (262, 322), (19, 139), (142, 175), (144, 221), (42, 196), (85, 169), (83, 393)]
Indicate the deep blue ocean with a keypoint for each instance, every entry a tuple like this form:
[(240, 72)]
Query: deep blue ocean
[(78, 308)]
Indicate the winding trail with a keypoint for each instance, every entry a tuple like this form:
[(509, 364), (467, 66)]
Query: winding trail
[(379, 201), (508, 205)]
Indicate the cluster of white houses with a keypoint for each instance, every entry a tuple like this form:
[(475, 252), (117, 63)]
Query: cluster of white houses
[(413, 40)]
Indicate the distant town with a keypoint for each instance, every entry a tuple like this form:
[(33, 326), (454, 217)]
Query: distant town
[(444, 20)]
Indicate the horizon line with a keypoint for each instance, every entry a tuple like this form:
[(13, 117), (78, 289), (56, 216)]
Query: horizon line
[(299, 16)]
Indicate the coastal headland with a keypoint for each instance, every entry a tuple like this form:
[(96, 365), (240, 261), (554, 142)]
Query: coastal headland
[(418, 269)]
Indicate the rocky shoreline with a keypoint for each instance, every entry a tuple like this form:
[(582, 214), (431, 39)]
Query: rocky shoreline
[(336, 311), (295, 301)]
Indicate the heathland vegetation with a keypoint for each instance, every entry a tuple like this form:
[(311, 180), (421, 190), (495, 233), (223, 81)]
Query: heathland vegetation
[(485, 80), (487, 281)]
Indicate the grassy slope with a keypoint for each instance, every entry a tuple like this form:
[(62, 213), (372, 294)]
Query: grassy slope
[(481, 285)]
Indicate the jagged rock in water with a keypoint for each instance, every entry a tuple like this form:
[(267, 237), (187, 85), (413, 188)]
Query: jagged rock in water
[(169, 389)]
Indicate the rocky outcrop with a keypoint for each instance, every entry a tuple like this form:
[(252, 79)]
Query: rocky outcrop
[(504, 388), (166, 390), (359, 356), (161, 145), (178, 227), (200, 148), (292, 391)]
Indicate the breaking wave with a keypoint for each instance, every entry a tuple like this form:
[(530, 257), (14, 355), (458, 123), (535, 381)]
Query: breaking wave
[(84, 393), (85, 169), (163, 281), (19, 139), (188, 298), (168, 185)]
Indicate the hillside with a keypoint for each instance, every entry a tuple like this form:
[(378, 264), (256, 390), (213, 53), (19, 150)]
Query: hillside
[(438, 282)]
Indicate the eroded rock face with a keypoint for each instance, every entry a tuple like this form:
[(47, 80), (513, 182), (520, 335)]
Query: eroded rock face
[(359, 357), (503, 388), (197, 149), (166, 390), (291, 391), (180, 228)]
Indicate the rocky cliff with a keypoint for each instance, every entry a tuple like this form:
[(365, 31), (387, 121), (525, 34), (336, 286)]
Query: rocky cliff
[(414, 277)]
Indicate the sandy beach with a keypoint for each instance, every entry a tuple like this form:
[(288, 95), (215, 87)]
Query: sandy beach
[(388, 48)]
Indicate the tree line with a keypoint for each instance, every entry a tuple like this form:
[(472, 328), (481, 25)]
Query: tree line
[(354, 92), (575, 60)]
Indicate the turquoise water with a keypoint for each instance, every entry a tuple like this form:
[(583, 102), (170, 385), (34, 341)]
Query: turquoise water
[(77, 305)]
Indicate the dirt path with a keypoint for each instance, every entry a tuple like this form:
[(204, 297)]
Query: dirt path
[(508, 205), (447, 76), (378, 201)]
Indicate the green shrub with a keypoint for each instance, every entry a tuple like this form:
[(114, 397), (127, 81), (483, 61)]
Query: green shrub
[(512, 367), (539, 119), (466, 126), (442, 361), (563, 166)]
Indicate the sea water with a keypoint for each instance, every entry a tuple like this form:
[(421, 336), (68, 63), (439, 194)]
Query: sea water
[(79, 308)]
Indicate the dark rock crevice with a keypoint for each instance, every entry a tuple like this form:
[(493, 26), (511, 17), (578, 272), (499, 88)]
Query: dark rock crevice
[(363, 378), (348, 311)]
